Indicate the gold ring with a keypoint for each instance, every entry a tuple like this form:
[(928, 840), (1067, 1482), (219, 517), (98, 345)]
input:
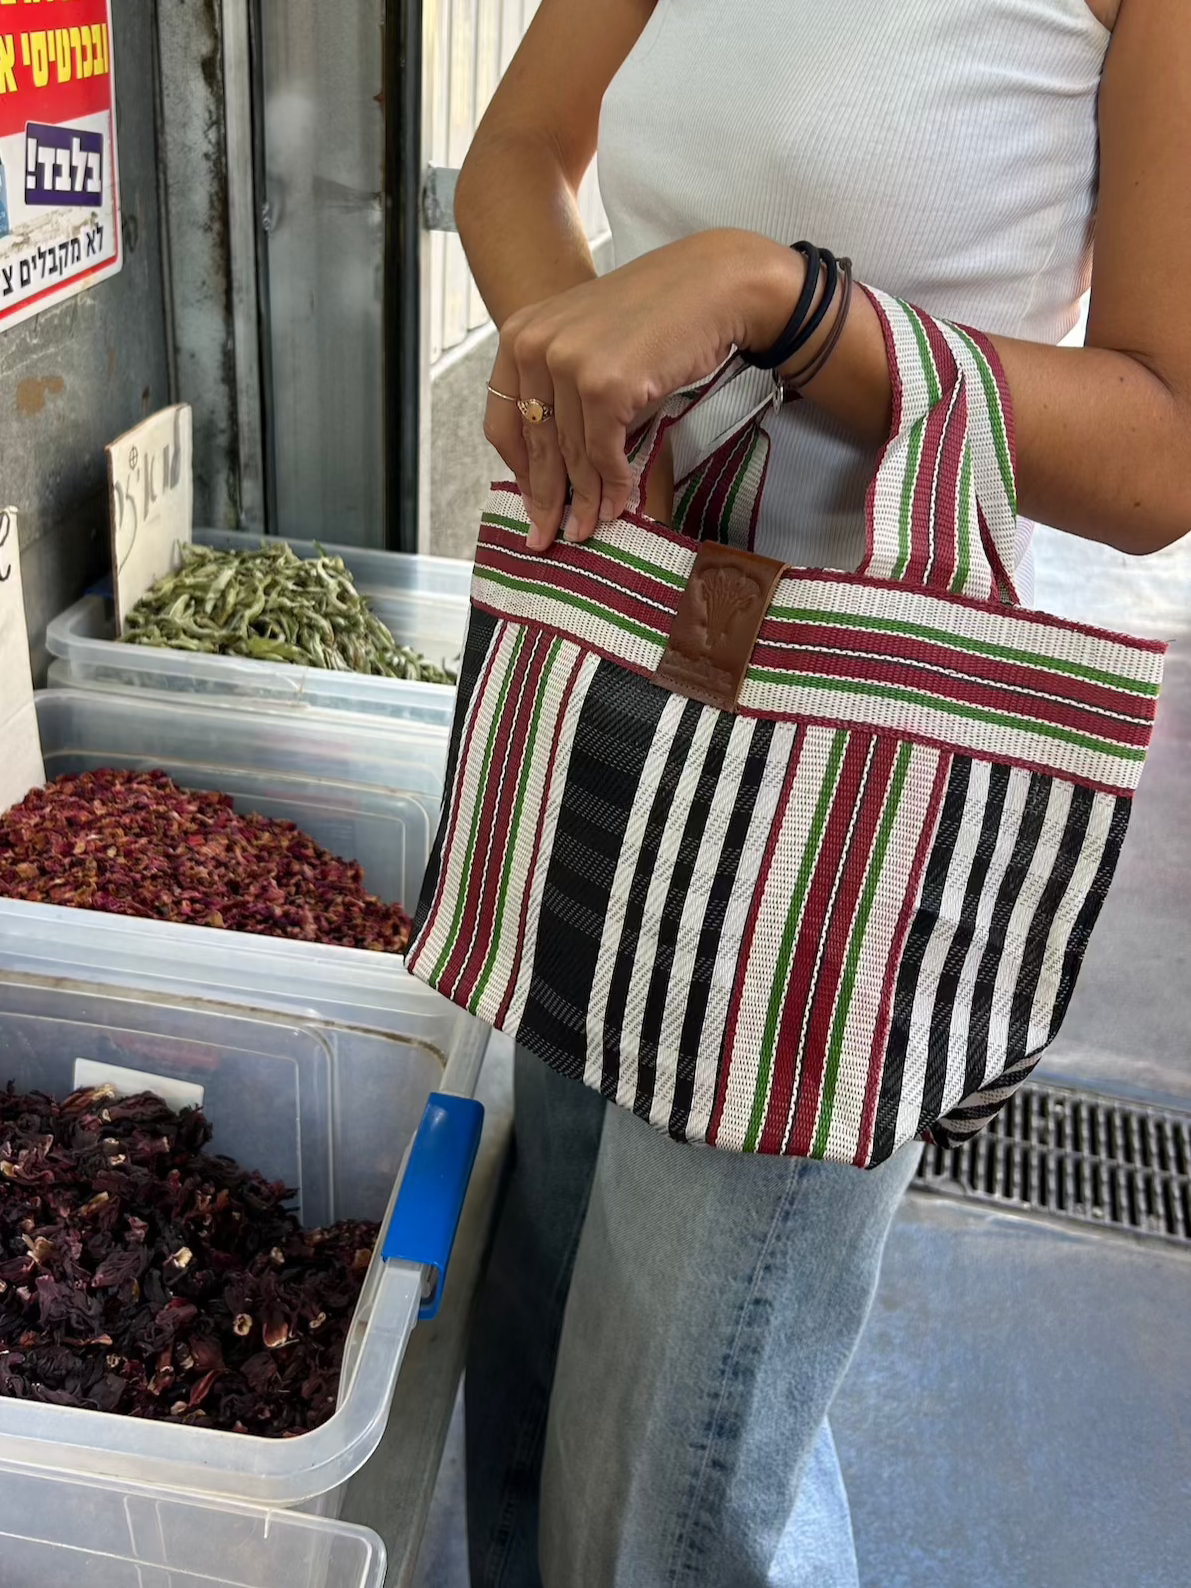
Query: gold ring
[(503, 395), (534, 411)]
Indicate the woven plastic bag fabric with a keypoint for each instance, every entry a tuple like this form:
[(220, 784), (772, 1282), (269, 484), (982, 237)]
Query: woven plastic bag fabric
[(847, 912)]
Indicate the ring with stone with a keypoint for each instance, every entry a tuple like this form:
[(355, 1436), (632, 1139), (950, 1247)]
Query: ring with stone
[(534, 411)]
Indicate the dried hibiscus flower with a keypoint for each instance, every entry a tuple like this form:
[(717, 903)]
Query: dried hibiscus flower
[(184, 1290), (134, 843)]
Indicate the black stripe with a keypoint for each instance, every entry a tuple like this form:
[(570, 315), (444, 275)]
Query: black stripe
[(718, 899), (634, 915), (480, 632), (957, 952), (921, 930), (1028, 833), (613, 739), (1089, 913), (680, 881), (1075, 833)]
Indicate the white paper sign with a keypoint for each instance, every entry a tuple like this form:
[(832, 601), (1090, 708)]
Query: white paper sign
[(21, 765), (151, 498)]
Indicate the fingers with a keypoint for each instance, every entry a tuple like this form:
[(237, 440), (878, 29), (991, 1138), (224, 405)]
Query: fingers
[(586, 484), (547, 471), (502, 430)]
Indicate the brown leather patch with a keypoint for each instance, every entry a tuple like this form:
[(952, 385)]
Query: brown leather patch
[(717, 623)]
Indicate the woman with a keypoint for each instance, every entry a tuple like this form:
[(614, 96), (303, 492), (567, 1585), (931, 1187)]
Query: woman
[(664, 1325)]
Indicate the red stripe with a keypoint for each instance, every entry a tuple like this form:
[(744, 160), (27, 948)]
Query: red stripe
[(749, 937), (955, 444), (838, 937), (483, 684), (806, 719), (801, 989), (595, 579), (897, 948), (898, 672), (830, 576), (487, 893), (898, 392), (493, 800), (507, 997), (923, 524), (899, 650)]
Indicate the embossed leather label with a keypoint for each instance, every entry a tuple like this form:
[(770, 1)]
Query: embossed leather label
[(717, 623)]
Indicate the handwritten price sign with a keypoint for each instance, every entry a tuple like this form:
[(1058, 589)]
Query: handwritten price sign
[(21, 765), (151, 501)]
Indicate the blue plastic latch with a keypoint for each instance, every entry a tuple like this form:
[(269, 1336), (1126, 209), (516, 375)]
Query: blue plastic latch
[(430, 1202)]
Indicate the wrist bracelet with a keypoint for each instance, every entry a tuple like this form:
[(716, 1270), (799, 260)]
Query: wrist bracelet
[(790, 387), (787, 344)]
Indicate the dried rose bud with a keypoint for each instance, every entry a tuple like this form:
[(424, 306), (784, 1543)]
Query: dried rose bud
[(242, 1325), (178, 1262)]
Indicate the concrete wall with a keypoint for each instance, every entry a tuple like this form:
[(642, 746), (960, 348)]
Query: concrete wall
[(77, 375)]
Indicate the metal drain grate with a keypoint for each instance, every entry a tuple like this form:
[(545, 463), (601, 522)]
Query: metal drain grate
[(1076, 1155)]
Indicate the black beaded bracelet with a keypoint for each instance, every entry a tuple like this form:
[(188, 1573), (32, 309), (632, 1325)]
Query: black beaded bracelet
[(787, 343)]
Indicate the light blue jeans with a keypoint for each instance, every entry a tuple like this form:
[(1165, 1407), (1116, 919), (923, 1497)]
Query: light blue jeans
[(661, 1333)]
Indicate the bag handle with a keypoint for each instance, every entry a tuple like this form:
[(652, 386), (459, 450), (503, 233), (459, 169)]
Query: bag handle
[(941, 511)]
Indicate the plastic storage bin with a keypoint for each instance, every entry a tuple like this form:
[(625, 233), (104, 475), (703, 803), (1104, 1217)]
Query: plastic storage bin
[(423, 600), (363, 791), (69, 1533), (339, 1126)]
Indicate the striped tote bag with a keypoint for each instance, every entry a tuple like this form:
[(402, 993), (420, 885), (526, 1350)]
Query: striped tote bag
[(788, 861)]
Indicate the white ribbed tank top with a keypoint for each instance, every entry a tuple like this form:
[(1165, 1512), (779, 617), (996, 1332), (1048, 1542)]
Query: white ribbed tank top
[(947, 146)]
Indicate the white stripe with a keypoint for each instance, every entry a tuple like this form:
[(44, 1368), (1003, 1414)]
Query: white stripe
[(935, 955), (1024, 911), (857, 1070), (492, 852), (756, 976), (694, 912), (645, 957), (537, 769), (1016, 794), (1084, 874), (727, 965), (561, 753), (468, 790), (618, 899)]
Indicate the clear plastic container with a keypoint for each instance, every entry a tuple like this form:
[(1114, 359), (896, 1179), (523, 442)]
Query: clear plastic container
[(422, 600), (365, 791), (60, 1532), (335, 1121)]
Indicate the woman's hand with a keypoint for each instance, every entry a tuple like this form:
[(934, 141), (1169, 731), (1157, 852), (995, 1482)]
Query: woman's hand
[(607, 352)]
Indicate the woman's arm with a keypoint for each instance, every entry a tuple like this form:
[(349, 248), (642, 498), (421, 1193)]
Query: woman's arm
[(515, 205), (1103, 431)]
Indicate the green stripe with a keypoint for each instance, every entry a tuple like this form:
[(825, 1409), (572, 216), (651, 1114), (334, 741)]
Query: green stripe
[(695, 480), (964, 564), (602, 548), (740, 475), (593, 608), (441, 966), (996, 417), (913, 697), (923, 631), (777, 991), (856, 945), (514, 829), (924, 352)]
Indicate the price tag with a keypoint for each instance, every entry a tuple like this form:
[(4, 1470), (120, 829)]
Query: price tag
[(21, 766), (151, 501)]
